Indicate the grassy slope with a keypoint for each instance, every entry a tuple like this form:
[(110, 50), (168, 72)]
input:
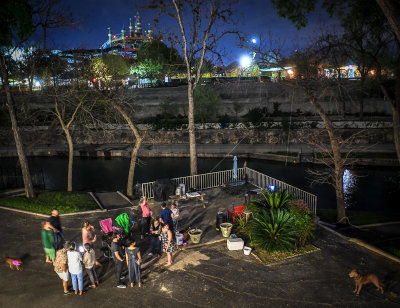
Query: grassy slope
[(65, 202)]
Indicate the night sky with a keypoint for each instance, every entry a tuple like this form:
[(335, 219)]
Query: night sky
[(254, 18)]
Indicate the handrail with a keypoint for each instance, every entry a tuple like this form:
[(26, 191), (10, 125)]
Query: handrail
[(215, 179), (263, 181)]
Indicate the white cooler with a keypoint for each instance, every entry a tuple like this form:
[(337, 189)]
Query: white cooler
[(235, 243)]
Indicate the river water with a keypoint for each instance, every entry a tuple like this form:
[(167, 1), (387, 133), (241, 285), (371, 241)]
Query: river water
[(368, 188)]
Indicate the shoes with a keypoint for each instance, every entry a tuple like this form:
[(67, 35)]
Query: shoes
[(67, 293), (122, 277), (150, 254), (121, 286)]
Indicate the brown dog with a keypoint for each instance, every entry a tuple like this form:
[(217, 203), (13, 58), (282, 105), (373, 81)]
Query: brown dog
[(15, 264), (362, 280)]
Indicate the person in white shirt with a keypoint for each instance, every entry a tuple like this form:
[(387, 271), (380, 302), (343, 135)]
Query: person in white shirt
[(175, 215), (75, 268)]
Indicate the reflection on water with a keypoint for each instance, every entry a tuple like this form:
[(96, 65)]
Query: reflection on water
[(349, 187), (366, 188)]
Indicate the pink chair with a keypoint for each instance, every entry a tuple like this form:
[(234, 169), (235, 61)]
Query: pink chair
[(106, 225)]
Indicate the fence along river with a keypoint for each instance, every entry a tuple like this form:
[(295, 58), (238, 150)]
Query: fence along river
[(367, 188)]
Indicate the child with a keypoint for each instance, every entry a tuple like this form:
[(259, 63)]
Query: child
[(133, 260)]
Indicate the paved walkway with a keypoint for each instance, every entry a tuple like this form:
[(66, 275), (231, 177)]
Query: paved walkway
[(205, 277)]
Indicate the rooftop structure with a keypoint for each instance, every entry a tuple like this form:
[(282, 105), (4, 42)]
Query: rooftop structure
[(125, 43)]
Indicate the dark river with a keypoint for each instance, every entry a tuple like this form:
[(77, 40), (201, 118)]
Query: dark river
[(368, 188)]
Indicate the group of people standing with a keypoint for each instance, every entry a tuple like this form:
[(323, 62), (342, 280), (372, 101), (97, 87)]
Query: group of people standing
[(162, 230), (67, 261), (70, 262)]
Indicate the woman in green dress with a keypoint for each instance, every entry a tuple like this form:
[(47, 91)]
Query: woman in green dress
[(48, 241)]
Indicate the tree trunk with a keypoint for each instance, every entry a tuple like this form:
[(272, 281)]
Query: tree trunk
[(391, 9), (340, 206), (395, 106), (396, 129), (135, 151), (192, 136), (335, 146), (44, 37), (70, 158), (29, 192)]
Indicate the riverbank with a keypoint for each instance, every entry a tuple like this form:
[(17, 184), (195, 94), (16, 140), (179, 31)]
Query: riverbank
[(374, 155)]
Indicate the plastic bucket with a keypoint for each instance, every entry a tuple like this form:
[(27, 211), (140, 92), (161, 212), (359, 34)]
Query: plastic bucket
[(195, 235), (226, 228), (183, 189), (246, 250), (179, 238)]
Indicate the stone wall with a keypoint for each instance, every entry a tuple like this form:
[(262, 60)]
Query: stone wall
[(244, 95), (203, 136)]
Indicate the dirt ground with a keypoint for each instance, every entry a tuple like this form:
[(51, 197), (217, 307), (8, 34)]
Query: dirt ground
[(209, 276)]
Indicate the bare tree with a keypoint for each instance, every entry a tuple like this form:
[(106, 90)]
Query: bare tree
[(29, 192), (126, 113), (67, 104), (52, 14), (200, 28)]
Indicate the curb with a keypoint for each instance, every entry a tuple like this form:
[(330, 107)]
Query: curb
[(126, 198), (47, 215), (374, 249), (364, 245), (83, 212), (379, 224), (205, 244), (24, 211)]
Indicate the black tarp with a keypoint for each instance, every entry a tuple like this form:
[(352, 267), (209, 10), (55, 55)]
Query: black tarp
[(163, 188)]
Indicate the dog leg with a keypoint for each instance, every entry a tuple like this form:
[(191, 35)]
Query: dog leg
[(359, 289)]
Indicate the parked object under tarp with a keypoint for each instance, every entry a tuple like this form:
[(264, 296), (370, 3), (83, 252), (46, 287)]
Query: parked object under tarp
[(163, 188)]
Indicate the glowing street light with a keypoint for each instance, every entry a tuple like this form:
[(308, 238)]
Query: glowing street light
[(245, 61), (253, 40)]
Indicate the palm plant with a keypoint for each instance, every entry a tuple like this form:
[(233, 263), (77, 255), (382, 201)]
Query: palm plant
[(273, 230), (276, 199)]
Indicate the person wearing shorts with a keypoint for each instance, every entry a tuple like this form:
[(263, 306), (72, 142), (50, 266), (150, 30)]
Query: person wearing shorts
[(61, 267)]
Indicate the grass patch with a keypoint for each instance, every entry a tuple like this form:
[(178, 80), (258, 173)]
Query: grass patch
[(65, 202), (268, 258), (392, 246), (359, 217)]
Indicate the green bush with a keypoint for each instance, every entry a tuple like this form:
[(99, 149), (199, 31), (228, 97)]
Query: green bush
[(273, 230), (276, 199), (302, 222)]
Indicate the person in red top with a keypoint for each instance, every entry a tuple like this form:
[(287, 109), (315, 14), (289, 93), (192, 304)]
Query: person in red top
[(145, 216)]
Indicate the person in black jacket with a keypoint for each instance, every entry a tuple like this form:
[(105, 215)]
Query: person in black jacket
[(56, 224)]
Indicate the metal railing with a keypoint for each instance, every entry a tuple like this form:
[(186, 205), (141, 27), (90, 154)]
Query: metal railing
[(264, 181), (215, 179), (199, 181)]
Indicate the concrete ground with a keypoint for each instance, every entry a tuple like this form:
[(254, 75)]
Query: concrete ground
[(210, 276)]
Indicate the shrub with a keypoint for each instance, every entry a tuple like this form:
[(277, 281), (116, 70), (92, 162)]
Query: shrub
[(302, 222), (273, 230), (276, 199)]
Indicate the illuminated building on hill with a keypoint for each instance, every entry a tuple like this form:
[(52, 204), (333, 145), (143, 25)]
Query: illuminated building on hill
[(127, 44)]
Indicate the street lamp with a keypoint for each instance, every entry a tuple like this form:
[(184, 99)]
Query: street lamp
[(245, 61)]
